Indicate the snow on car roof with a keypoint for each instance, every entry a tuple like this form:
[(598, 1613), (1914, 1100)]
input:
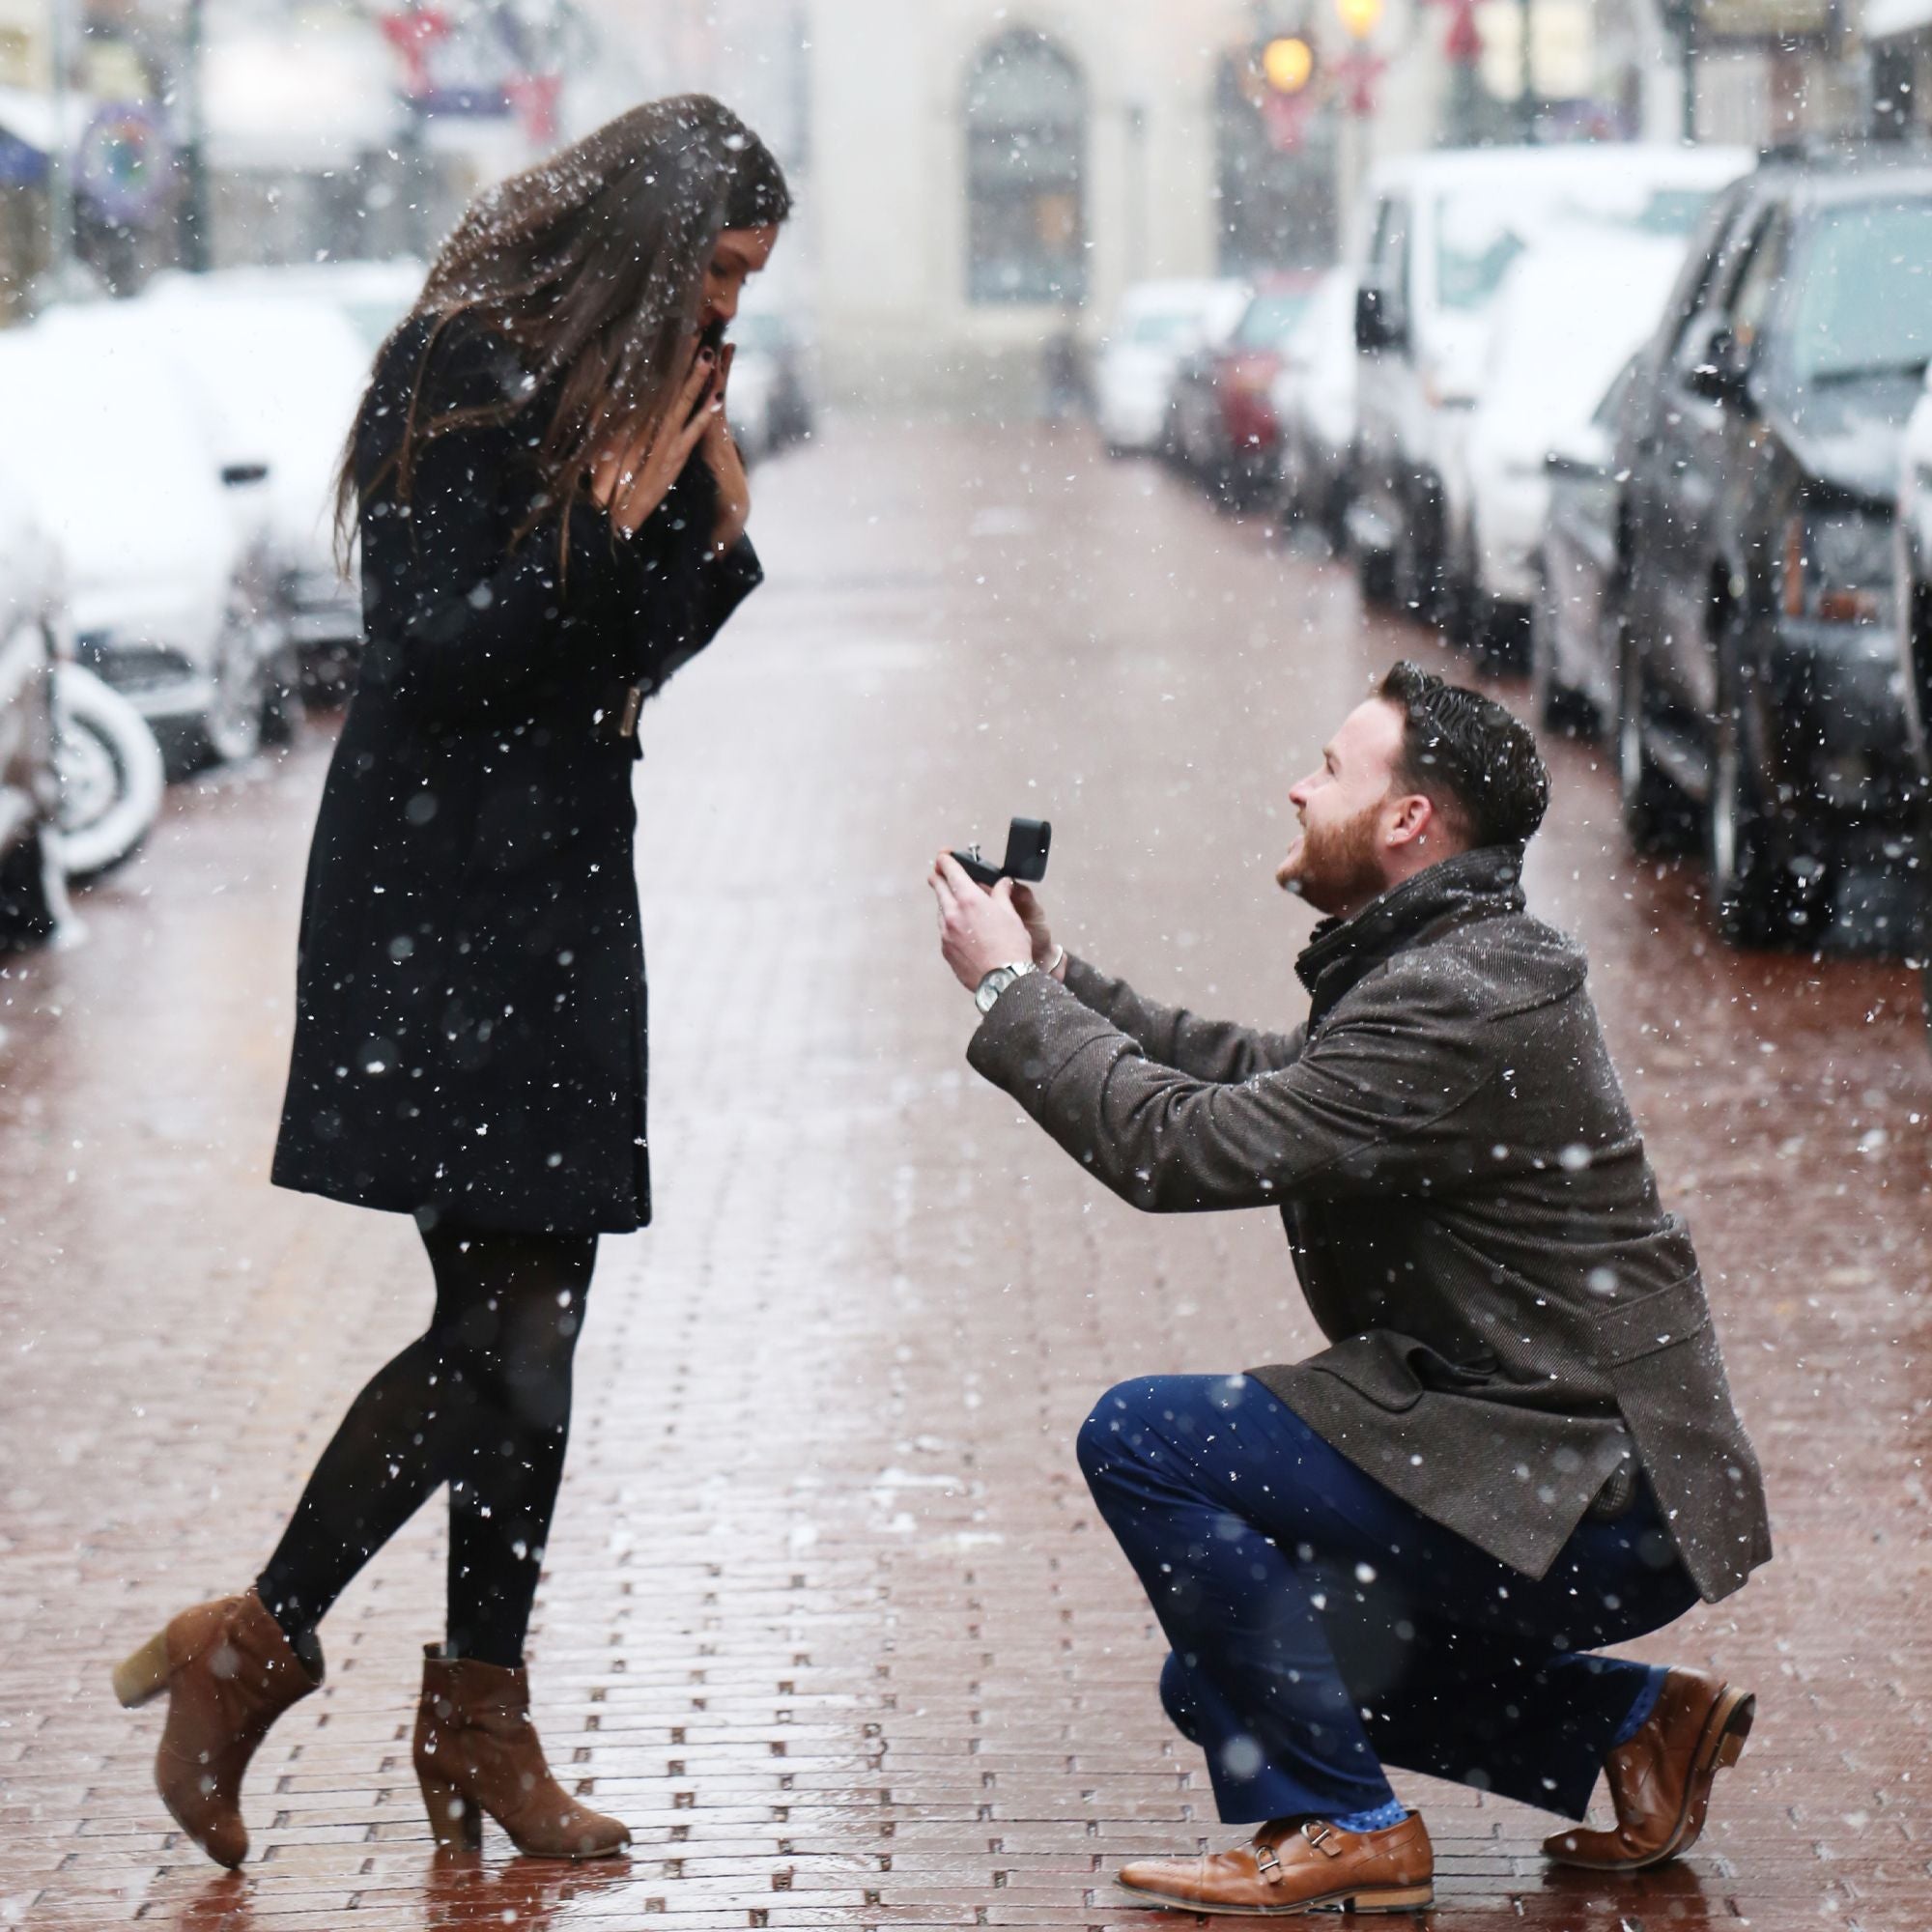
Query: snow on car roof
[(120, 464), (1518, 167), (1569, 315), (1190, 295), (234, 359)]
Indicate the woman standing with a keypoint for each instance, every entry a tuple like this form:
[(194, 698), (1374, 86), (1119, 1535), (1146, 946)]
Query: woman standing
[(552, 515)]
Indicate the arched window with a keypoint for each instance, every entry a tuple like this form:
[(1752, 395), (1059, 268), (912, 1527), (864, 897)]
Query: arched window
[(1025, 139)]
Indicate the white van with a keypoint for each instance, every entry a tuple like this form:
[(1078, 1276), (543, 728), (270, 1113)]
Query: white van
[(1442, 231)]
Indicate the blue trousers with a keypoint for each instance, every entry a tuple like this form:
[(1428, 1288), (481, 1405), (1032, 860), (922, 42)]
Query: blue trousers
[(1321, 1628)]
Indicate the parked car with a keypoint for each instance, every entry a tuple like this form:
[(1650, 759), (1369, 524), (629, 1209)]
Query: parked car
[(1443, 231), (373, 296), (1224, 426), (1314, 398), (1155, 327), (277, 377), (1913, 593), (1572, 313), (171, 594), (1759, 691), (772, 403), (33, 621), (1575, 621), (1913, 574)]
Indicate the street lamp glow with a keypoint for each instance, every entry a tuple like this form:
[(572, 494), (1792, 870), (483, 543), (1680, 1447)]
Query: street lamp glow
[(1286, 63), (1359, 19)]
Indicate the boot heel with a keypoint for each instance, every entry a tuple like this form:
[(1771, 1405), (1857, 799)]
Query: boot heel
[(1398, 1898), (141, 1678), (1738, 1721), (455, 1819)]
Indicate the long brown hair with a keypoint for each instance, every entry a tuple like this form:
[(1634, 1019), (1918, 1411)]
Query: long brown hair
[(591, 264)]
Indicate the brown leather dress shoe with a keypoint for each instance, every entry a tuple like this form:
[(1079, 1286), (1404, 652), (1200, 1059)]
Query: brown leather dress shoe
[(1661, 1781), (1296, 1867)]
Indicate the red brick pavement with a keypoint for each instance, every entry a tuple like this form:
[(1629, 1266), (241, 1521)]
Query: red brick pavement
[(828, 1615)]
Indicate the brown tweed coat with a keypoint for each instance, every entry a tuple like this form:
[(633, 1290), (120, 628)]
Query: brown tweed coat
[(1513, 1317)]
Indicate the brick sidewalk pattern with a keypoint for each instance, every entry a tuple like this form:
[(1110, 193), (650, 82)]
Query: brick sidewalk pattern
[(828, 1615)]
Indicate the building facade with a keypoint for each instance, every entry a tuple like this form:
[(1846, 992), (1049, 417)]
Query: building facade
[(983, 178)]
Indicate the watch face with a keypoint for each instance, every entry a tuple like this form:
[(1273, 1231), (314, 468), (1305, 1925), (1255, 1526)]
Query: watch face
[(992, 986)]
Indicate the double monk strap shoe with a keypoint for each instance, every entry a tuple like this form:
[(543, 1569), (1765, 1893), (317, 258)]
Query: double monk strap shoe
[(1292, 1866), (1661, 1781)]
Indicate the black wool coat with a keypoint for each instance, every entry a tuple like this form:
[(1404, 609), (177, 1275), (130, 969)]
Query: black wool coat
[(1515, 1321), (470, 1034)]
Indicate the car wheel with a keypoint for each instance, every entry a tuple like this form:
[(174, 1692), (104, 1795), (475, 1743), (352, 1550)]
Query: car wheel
[(31, 898), (1408, 571), (110, 774), (230, 730), (1375, 576), (1655, 813), (1763, 893), (1464, 609), (1334, 500), (1293, 499), (1553, 704), (281, 697), (1419, 565)]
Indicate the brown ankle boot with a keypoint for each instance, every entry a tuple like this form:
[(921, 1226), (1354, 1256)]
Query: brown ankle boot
[(476, 1751), (229, 1672)]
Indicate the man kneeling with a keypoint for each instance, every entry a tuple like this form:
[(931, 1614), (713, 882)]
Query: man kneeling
[(1520, 1445)]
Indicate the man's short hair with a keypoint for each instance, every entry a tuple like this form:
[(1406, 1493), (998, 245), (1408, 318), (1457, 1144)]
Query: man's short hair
[(1470, 757)]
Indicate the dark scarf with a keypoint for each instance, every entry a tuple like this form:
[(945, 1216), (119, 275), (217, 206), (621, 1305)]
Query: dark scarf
[(1342, 951)]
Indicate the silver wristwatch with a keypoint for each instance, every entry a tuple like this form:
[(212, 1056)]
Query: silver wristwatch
[(997, 981)]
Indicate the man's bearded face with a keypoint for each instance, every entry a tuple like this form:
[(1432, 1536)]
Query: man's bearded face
[(1336, 867), (1339, 860)]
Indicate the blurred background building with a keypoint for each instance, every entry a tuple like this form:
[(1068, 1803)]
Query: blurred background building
[(974, 178)]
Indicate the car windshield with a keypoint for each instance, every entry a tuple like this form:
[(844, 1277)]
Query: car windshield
[(1479, 237), (1861, 294), (1476, 241), (1673, 211), (1268, 320), (1166, 330), (1608, 413)]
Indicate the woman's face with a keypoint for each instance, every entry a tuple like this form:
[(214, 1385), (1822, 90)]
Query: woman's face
[(740, 253)]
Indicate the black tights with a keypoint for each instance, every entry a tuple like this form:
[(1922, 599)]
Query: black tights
[(479, 1400)]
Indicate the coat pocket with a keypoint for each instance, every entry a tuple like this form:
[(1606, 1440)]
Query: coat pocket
[(1659, 1319)]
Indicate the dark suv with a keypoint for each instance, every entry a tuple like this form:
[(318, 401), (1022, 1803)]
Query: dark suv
[(1758, 683)]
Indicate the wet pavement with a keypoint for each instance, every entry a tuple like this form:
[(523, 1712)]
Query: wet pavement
[(829, 1617)]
